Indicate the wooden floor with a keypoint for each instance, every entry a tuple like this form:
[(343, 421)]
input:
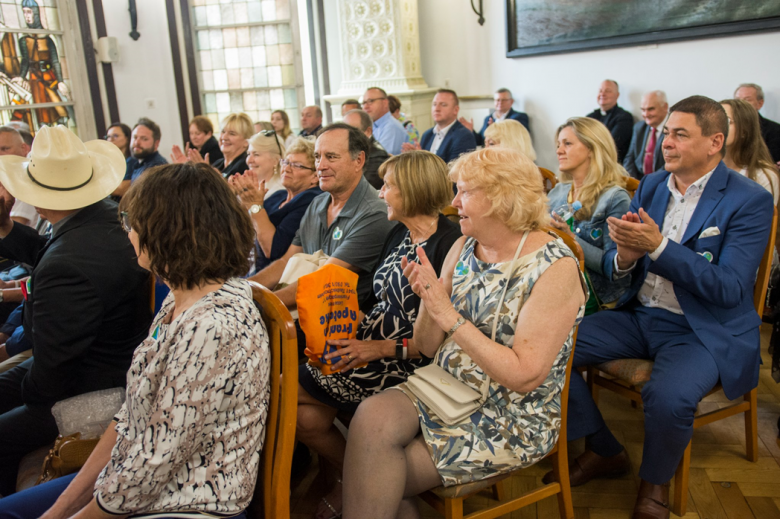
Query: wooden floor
[(723, 484)]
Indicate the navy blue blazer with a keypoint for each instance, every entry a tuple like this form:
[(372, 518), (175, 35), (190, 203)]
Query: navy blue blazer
[(715, 295), (520, 117), (635, 159), (459, 140)]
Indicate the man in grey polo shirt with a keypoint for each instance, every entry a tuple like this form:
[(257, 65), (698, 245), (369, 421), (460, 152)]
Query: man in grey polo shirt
[(348, 222)]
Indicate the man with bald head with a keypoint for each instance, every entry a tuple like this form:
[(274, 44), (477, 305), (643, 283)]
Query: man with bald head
[(377, 155), (311, 121), (618, 121), (770, 130), (645, 153)]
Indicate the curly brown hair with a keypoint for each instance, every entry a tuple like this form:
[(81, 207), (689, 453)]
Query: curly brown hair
[(190, 225)]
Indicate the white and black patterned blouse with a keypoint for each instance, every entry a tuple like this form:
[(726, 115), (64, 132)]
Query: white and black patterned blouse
[(190, 433)]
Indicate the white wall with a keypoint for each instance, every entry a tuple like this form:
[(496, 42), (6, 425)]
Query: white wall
[(145, 68), (553, 88)]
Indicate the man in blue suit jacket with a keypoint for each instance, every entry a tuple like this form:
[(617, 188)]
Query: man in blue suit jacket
[(503, 101), (449, 139), (654, 111), (692, 242)]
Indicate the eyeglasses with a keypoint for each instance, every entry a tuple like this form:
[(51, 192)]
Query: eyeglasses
[(370, 101), (296, 165), (272, 133), (125, 218)]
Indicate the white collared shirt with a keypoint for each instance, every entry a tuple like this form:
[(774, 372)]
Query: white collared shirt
[(657, 291), (439, 135), (496, 117)]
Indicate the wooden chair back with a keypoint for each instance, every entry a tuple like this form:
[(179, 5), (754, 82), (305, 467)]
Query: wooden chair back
[(632, 185), (548, 178), (765, 269), (273, 484), (448, 501), (451, 213)]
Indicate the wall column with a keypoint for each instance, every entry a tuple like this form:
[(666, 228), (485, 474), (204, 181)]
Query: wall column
[(380, 46)]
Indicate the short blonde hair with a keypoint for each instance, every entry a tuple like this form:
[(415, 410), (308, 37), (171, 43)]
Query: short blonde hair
[(241, 123), (263, 142), (513, 135), (303, 146), (421, 178), (512, 183)]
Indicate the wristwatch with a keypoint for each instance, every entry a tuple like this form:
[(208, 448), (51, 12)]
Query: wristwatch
[(256, 208)]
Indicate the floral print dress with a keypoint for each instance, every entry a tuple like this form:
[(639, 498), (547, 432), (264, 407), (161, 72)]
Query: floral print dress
[(511, 430)]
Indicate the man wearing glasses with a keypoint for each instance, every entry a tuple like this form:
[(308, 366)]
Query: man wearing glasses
[(503, 102), (387, 129)]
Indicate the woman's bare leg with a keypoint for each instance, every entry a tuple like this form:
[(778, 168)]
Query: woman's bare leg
[(384, 463), (315, 428)]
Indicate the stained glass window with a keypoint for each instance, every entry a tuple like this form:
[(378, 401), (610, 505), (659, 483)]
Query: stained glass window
[(246, 58), (34, 78)]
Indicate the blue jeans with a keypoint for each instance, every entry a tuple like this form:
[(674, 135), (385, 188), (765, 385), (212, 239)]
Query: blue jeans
[(33, 502), (683, 373)]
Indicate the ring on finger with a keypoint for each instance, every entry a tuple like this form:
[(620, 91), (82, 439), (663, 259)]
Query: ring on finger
[(428, 286)]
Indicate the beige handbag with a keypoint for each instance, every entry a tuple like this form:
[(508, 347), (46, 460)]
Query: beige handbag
[(452, 400), (301, 264)]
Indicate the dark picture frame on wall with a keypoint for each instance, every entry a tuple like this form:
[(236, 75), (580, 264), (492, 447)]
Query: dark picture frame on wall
[(536, 27)]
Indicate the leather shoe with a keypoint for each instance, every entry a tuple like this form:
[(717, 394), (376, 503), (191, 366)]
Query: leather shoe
[(652, 501), (590, 465)]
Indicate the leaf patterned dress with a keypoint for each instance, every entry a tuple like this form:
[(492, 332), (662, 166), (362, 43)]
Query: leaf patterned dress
[(511, 430)]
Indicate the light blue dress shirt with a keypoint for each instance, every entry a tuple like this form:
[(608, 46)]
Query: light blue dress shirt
[(390, 133)]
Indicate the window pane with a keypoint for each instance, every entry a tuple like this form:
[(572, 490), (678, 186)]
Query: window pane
[(269, 10), (227, 14), (203, 40), (285, 36), (242, 37), (223, 103), (286, 54), (254, 11), (256, 34), (229, 38)]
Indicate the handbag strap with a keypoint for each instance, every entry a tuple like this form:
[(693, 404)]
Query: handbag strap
[(486, 387)]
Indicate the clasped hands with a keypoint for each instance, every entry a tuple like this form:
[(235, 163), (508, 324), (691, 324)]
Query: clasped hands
[(248, 189), (188, 155), (635, 235)]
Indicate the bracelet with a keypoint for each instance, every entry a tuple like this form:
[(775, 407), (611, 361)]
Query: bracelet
[(406, 348), (460, 322), (399, 349)]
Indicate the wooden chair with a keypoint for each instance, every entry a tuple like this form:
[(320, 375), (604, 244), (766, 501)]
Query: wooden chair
[(272, 492), (549, 179), (626, 377), (448, 501), (451, 213), (632, 185)]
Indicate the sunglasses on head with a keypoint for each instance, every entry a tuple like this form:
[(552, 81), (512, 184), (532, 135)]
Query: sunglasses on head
[(272, 133)]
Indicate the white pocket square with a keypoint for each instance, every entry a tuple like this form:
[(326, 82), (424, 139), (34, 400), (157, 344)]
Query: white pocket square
[(710, 231)]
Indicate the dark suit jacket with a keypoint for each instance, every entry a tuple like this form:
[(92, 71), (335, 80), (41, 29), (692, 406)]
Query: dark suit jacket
[(458, 141), (635, 158), (770, 131), (376, 157), (520, 117), (620, 124), (87, 308), (715, 295)]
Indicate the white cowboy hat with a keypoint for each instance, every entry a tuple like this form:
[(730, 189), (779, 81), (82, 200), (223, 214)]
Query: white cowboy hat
[(62, 172)]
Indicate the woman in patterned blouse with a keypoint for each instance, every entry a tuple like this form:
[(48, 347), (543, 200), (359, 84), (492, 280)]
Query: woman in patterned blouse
[(415, 189), (188, 438), (494, 324)]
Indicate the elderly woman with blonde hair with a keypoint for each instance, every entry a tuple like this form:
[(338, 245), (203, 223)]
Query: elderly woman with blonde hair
[(486, 322), (510, 134), (263, 157), (591, 174)]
